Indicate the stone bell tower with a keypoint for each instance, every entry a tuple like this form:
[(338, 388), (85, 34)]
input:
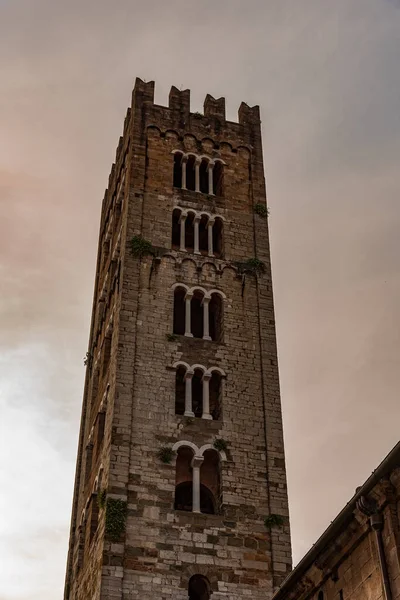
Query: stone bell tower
[(180, 488)]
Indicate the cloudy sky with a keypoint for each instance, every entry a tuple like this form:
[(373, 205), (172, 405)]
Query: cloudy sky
[(327, 77)]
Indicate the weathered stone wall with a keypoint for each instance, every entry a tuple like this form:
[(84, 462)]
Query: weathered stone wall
[(162, 548)]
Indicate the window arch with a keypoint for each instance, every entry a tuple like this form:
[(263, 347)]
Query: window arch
[(197, 232), (198, 391), (203, 235), (183, 479), (177, 178), (179, 311), (321, 595), (199, 588)]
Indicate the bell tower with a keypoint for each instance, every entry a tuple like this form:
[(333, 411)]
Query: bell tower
[(180, 489)]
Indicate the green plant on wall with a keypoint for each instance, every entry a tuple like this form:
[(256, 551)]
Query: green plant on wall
[(101, 499), (141, 247), (255, 265), (171, 337), (274, 521), (165, 454), (220, 444), (262, 210), (115, 522), (87, 359)]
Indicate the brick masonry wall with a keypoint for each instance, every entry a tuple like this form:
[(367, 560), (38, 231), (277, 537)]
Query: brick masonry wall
[(162, 548)]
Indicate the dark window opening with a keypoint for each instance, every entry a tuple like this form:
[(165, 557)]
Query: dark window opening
[(106, 354), (189, 232), (176, 229), (184, 496), (178, 170), (321, 595), (191, 173), (217, 237), (215, 387), (199, 588), (101, 420), (218, 177), (197, 316), (203, 235), (207, 503), (204, 176), (180, 391), (95, 387), (215, 317), (94, 517), (89, 459), (341, 597), (197, 393), (179, 311)]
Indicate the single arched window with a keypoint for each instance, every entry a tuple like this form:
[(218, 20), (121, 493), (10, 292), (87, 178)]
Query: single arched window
[(204, 176), (179, 311), (178, 170), (199, 588), (176, 229), (216, 317), (189, 232), (215, 394), (180, 391), (191, 173), (197, 393), (218, 178), (197, 315), (217, 237), (183, 480)]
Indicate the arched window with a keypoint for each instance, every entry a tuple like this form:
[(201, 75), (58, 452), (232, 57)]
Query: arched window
[(199, 588), (197, 393), (179, 311), (176, 229), (210, 483), (203, 235), (180, 391), (191, 173), (216, 318), (215, 391), (183, 480), (217, 237), (321, 595), (178, 170), (204, 176), (197, 315), (218, 178), (189, 232)]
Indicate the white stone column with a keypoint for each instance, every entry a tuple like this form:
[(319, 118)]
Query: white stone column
[(197, 175), (183, 164), (210, 179), (206, 396), (210, 238), (188, 394), (206, 321), (182, 222), (188, 320), (196, 464), (196, 224)]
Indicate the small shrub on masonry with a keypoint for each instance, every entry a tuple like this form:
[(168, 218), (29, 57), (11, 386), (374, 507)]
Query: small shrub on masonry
[(101, 499), (171, 337), (115, 518), (165, 454), (255, 265), (87, 359), (197, 115), (141, 247), (220, 444), (274, 521), (262, 210)]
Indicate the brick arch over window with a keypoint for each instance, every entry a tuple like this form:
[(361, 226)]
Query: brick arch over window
[(198, 173)]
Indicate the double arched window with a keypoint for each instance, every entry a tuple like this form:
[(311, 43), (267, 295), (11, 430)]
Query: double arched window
[(198, 312), (197, 478), (197, 232), (198, 391), (198, 173)]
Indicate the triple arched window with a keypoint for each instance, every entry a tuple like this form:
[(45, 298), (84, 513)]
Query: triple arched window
[(198, 173), (198, 391), (197, 232), (198, 312)]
